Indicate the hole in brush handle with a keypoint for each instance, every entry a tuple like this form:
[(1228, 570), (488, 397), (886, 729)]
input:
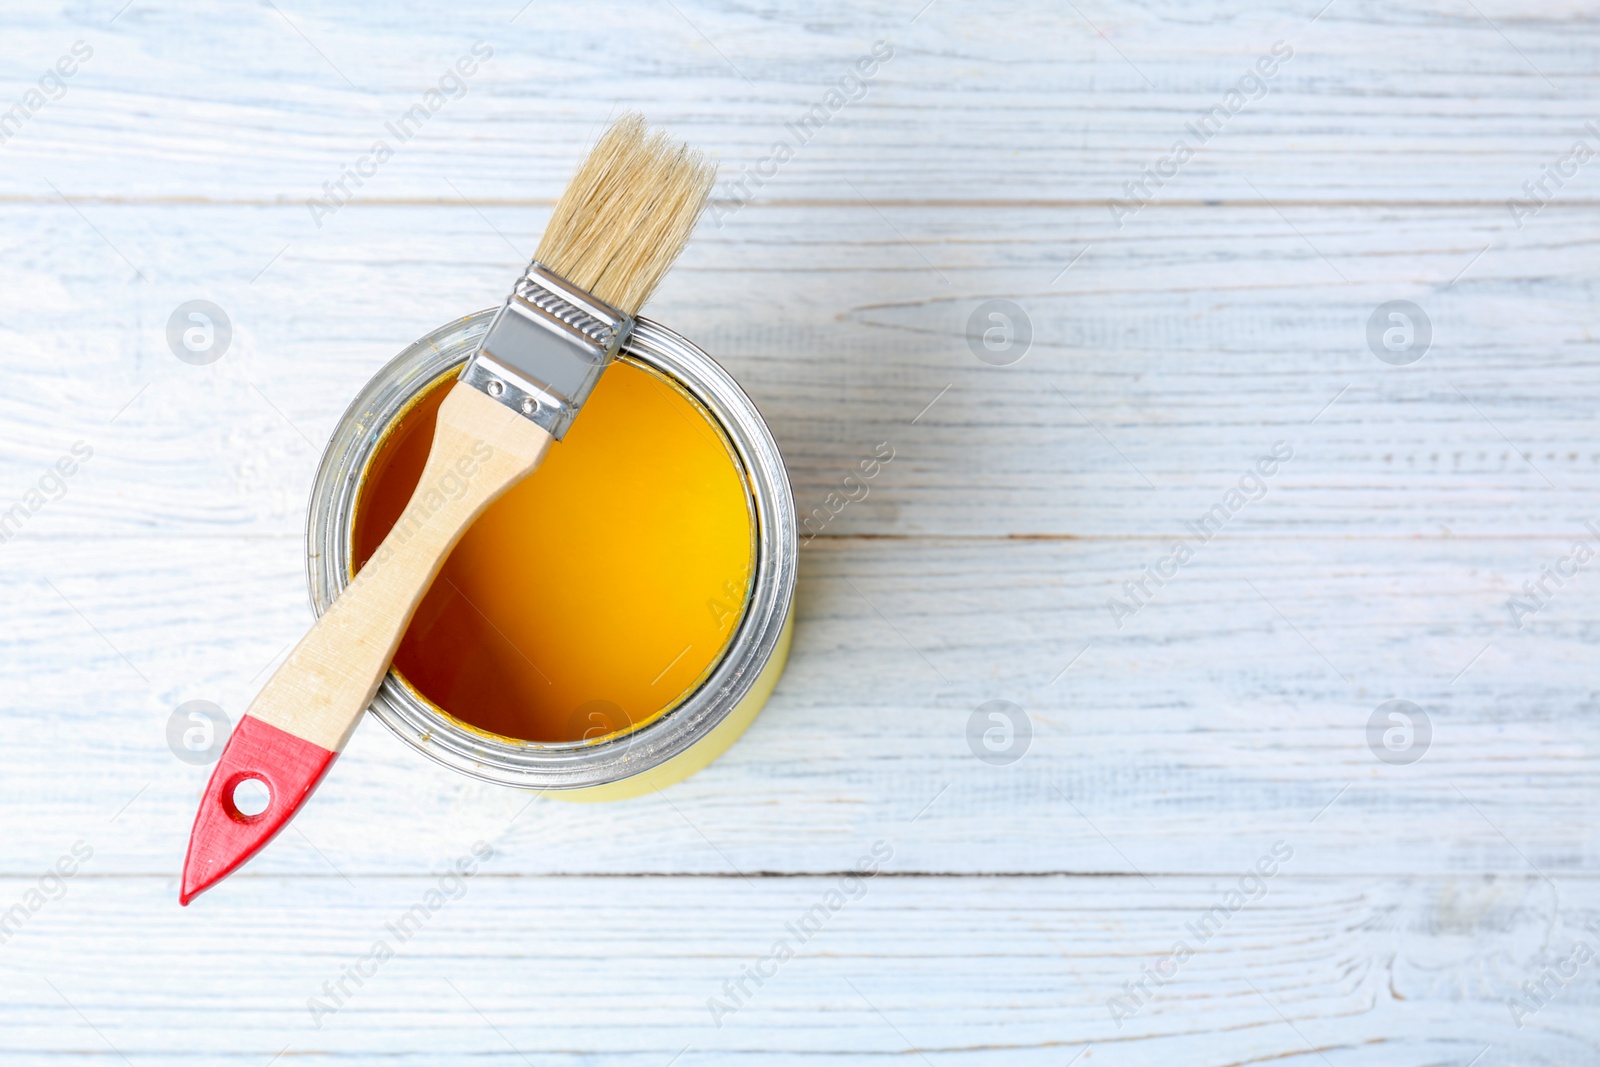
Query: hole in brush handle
[(248, 798)]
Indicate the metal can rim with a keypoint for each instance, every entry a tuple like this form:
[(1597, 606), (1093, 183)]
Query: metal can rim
[(567, 765)]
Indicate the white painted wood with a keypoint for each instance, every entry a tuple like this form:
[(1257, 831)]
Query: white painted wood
[(1228, 714), (962, 971), (1207, 717), (1178, 355), (1423, 101)]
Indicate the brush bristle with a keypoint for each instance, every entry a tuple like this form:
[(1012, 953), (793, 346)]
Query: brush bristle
[(626, 214)]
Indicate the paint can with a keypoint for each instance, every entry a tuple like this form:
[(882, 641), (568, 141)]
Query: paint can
[(663, 750)]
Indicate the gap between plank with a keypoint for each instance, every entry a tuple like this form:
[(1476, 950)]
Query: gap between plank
[(1097, 202), (1454, 875)]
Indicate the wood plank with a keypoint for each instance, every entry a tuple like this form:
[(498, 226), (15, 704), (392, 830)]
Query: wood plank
[(961, 971), (1163, 366), (1236, 704), (1419, 101)]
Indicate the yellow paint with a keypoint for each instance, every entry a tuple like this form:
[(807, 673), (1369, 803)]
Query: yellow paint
[(699, 756), (599, 592)]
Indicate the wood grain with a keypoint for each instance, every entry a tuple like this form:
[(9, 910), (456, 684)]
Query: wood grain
[(1160, 366), (1208, 716), (1168, 754), (620, 970), (1427, 101)]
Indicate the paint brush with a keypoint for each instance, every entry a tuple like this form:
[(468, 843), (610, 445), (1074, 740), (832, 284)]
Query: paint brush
[(616, 230)]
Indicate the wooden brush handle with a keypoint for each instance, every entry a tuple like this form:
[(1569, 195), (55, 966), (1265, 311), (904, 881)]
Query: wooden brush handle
[(480, 449), (306, 712)]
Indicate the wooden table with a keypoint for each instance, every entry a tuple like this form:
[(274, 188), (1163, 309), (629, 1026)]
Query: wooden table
[(1184, 321)]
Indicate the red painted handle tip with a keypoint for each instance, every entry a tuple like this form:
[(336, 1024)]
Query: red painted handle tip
[(223, 837)]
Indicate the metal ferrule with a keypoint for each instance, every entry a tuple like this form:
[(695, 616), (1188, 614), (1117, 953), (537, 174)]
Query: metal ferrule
[(546, 349)]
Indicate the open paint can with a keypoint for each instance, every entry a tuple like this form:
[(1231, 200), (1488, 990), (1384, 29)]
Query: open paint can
[(613, 623)]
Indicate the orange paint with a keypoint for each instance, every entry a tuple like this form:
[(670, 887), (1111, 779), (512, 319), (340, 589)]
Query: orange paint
[(598, 592)]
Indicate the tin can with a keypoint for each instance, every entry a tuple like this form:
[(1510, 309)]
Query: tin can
[(666, 749)]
